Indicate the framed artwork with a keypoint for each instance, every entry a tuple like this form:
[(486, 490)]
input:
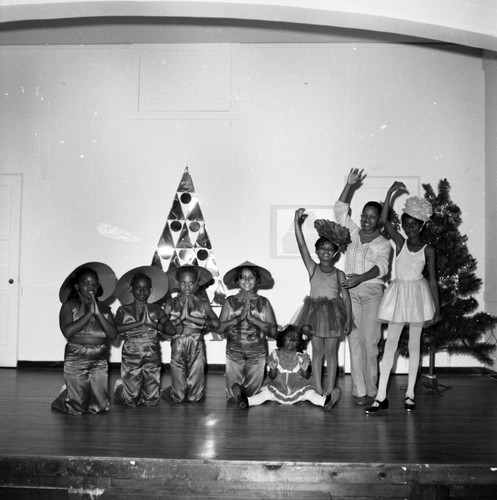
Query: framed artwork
[(282, 235)]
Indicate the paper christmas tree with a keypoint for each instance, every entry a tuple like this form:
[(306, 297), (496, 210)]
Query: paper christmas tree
[(184, 239)]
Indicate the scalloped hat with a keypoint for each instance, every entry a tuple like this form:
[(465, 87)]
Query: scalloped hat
[(418, 208)]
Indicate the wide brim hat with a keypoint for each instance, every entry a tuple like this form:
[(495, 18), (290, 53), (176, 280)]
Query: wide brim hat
[(204, 276), (418, 208), (106, 277), (160, 284), (266, 282)]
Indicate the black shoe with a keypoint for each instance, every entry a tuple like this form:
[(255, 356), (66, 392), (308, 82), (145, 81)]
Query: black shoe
[(377, 406), (332, 399), (409, 404), (240, 398)]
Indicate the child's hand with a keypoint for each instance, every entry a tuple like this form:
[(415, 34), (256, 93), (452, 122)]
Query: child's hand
[(347, 327), (144, 317), (397, 186), (93, 305), (246, 310), (184, 312), (272, 362), (306, 361), (300, 216), (433, 321), (355, 176)]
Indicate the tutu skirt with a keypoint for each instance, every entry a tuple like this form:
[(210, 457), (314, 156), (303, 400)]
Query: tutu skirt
[(407, 301), (321, 317)]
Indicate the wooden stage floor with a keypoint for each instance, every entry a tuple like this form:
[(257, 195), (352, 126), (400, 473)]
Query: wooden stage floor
[(447, 448)]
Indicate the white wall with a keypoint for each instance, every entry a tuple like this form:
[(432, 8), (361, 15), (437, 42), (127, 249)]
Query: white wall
[(295, 118)]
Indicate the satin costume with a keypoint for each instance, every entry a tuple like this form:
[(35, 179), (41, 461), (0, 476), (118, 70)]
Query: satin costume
[(289, 386), (246, 345), (187, 352), (140, 358), (85, 368)]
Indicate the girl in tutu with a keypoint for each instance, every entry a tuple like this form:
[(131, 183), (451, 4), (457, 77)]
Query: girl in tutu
[(288, 375), (410, 298), (326, 314)]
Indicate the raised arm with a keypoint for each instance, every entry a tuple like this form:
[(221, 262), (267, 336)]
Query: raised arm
[(397, 238), (354, 180), (300, 217)]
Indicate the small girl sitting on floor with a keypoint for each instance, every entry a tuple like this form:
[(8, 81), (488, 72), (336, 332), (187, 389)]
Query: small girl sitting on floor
[(289, 372), (142, 324)]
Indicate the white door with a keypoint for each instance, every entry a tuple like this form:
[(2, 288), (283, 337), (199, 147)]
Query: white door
[(10, 217)]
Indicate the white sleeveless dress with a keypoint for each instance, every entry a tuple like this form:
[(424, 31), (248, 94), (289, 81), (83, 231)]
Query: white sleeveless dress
[(408, 298)]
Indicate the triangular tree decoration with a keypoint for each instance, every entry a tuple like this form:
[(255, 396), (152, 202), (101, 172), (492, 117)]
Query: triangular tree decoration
[(460, 330), (184, 239)]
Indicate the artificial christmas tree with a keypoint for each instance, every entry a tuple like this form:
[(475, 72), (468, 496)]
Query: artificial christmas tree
[(461, 329)]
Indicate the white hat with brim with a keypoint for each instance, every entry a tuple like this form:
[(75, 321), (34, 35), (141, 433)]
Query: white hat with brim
[(160, 284), (106, 277), (266, 282), (203, 274)]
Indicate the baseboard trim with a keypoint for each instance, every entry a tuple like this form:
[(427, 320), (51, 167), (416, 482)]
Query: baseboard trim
[(477, 370)]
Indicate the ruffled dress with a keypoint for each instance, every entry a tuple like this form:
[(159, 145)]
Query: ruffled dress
[(323, 313), (408, 298), (289, 386)]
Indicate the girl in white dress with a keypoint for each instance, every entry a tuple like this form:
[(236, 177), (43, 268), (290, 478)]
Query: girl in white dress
[(410, 298)]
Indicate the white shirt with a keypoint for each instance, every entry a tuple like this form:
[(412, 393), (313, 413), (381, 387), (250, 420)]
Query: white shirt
[(362, 257)]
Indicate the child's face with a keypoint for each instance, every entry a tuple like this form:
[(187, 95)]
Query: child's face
[(412, 227), (141, 289), (326, 252), (291, 341), (247, 281), (187, 283), (87, 285)]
